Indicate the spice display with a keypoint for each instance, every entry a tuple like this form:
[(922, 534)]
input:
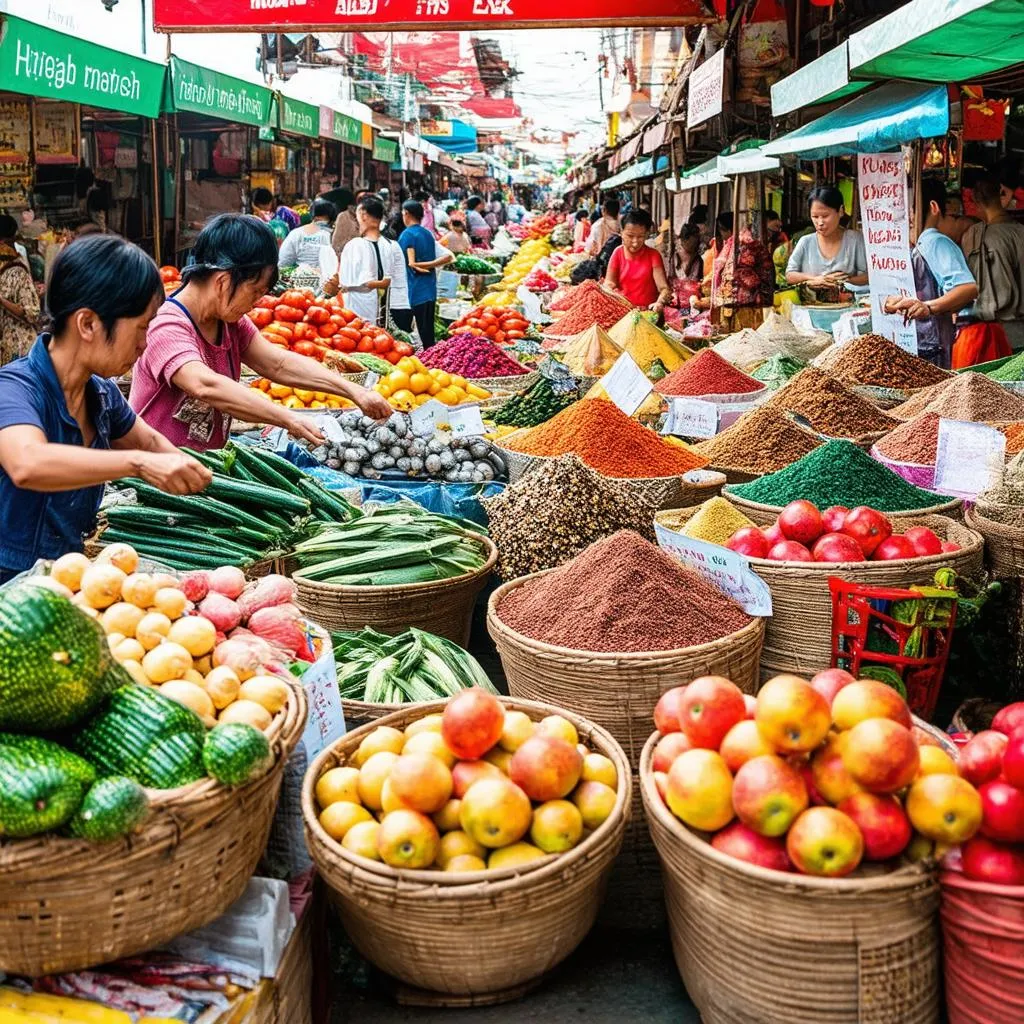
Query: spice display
[(829, 406), (747, 349), (534, 532), (607, 440), (591, 353), (761, 441), (915, 441), (471, 356), (622, 594), (1014, 437), (715, 521), (574, 294), (707, 373), (1012, 369), (775, 372), (595, 306), (539, 402), (651, 348), (875, 360), (966, 396)]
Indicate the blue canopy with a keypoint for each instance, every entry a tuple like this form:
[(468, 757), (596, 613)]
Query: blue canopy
[(458, 137)]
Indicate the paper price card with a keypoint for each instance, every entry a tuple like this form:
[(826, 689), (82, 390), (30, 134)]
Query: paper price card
[(970, 458), (690, 417), (729, 571), (371, 379), (429, 416), (626, 385), (466, 421)]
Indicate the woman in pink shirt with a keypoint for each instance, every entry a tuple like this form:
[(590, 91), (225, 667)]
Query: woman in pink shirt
[(186, 384), (637, 271)]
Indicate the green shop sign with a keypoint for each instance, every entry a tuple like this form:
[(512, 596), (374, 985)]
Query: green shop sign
[(299, 118), (385, 150), (203, 91), (348, 129), (37, 61)]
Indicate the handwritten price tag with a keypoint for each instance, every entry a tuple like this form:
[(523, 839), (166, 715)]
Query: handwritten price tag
[(428, 417), (690, 417), (626, 385), (466, 421)]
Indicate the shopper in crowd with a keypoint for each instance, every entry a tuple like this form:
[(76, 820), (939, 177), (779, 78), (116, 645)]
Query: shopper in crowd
[(688, 263), (65, 428), (995, 253), (263, 204), (723, 232), (516, 212), (418, 246), (773, 229), (699, 218), (429, 222), (636, 270), (187, 381), (833, 255), (496, 216), (441, 218), (457, 238), (302, 248), (19, 300), (346, 227), (581, 229), (605, 228), (363, 271), (479, 229)]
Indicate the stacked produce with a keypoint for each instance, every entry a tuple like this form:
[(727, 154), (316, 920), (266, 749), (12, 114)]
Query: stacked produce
[(829, 406), (652, 349), (965, 396), (363, 447), (538, 403), (395, 544), (607, 440), (533, 532), (471, 356), (298, 398), (412, 667), (775, 372), (534, 228), (411, 384), (815, 777), (521, 264), (466, 264), (592, 353), (804, 533), (594, 307), (707, 373), (621, 594), (502, 324), (539, 280), (838, 473), (464, 790), (875, 360), (715, 521), (763, 440)]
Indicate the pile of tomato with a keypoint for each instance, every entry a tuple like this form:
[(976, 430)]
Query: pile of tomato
[(504, 325), (299, 321)]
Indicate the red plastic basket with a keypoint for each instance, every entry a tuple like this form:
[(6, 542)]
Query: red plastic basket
[(860, 616)]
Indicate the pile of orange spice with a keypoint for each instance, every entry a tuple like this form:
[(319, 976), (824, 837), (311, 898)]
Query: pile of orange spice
[(607, 440)]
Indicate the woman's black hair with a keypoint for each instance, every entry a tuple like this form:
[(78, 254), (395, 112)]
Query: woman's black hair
[(588, 270), (262, 197), (324, 208), (595, 215), (8, 227), (612, 207), (473, 202), (372, 207), (699, 214), (725, 221), (641, 218), (827, 194), (106, 274), (238, 243), (689, 230), (582, 215)]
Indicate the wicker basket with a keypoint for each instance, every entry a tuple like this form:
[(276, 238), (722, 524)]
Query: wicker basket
[(444, 607), (1004, 545), (756, 946), (765, 515), (736, 476), (69, 904), (519, 382), (482, 934)]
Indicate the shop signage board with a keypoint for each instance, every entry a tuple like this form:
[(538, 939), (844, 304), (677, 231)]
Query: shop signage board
[(299, 118), (341, 127), (385, 150), (882, 183), (203, 91), (15, 131), (707, 85), (411, 15)]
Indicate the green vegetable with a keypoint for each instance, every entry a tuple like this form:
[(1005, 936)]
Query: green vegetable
[(536, 405), (235, 753), (372, 362), (466, 264), (112, 808)]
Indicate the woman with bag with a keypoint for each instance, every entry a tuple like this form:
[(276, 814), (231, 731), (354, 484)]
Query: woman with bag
[(19, 302)]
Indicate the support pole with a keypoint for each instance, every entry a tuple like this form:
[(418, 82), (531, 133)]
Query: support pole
[(158, 217)]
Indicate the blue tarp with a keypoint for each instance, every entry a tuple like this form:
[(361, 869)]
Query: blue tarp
[(461, 140)]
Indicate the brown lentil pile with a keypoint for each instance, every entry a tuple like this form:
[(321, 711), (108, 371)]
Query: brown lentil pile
[(555, 511), (761, 441), (877, 361), (714, 521), (966, 396), (915, 441), (829, 405)]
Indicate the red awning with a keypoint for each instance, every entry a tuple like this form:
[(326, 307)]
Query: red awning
[(489, 107)]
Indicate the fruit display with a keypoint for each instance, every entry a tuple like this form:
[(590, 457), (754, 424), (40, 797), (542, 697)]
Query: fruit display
[(517, 268), (471, 356), (802, 533), (810, 776), (539, 280), (472, 788), (536, 228), (411, 384), (467, 264), (502, 324), (298, 398), (171, 278)]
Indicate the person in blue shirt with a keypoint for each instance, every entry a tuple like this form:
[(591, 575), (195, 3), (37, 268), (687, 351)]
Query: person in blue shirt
[(942, 279), (65, 428), (417, 244)]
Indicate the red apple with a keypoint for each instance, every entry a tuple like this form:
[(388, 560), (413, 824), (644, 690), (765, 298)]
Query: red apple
[(986, 861), (546, 767), (981, 757), (465, 773), (661, 783), (949, 546), (768, 794), (831, 779), (1002, 811), (666, 711), (472, 723), (807, 774), (1009, 719), (867, 527), (894, 548), (882, 822), (829, 682), (880, 755), (668, 748), (711, 706), (1013, 759), (736, 840), (800, 521), (790, 551), (826, 842), (837, 547), (751, 702), (749, 541), (773, 534), (742, 743), (793, 717), (832, 519), (925, 541), (868, 698)]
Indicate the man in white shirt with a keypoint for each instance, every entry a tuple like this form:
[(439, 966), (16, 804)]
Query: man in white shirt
[(363, 270)]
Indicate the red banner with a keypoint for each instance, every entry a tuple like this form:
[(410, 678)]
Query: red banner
[(411, 15)]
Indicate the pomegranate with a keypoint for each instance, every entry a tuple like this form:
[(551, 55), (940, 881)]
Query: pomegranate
[(749, 541), (790, 551), (833, 518), (949, 546), (925, 541), (1009, 719), (867, 527), (893, 548), (800, 521), (837, 547), (774, 534)]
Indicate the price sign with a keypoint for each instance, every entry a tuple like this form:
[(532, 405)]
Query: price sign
[(330, 428), (371, 379), (466, 422), (428, 417), (970, 458), (690, 417), (626, 385)]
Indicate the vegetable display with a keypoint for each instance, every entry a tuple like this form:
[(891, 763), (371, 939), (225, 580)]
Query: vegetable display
[(540, 281), (298, 398), (537, 404), (411, 383), (502, 324), (467, 264), (471, 356)]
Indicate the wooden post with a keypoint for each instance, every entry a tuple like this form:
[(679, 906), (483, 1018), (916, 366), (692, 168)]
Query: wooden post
[(158, 213), (915, 210), (178, 191)]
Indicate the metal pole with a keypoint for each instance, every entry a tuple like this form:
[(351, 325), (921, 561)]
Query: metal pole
[(158, 219)]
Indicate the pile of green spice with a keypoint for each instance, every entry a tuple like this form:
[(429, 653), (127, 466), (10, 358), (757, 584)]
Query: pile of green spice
[(777, 371), (761, 441), (838, 473), (829, 406)]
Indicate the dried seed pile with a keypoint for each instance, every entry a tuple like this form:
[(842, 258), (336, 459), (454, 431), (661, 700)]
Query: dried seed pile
[(965, 396), (916, 441), (715, 521), (1012, 369), (829, 405), (596, 306), (877, 361), (707, 373), (761, 441), (555, 511)]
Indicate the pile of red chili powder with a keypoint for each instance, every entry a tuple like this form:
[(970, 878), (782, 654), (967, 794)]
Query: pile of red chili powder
[(707, 373), (593, 307), (622, 594)]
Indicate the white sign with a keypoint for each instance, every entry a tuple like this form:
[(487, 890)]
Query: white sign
[(371, 379), (707, 84), (331, 429), (466, 421), (729, 571), (428, 417), (626, 385), (690, 417), (847, 327), (530, 303), (970, 458), (882, 181)]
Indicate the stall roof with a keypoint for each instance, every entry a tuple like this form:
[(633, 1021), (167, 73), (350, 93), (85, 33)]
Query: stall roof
[(747, 157), (641, 169), (824, 80), (706, 173), (888, 116)]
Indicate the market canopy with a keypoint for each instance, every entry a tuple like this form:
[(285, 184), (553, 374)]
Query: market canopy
[(202, 91), (746, 158), (893, 114), (825, 80), (454, 136), (698, 176), (634, 172)]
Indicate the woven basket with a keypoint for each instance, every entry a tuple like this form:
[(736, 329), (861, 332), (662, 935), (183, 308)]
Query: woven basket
[(359, 712), (519, 382), (756, 946), (736, 476), (765, 515), (481, 933), (444, 607), (1004, 545), (70, 904)]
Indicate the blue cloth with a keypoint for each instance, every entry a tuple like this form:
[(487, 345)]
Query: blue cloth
[(945, 260), (422, 286), (38, 525)]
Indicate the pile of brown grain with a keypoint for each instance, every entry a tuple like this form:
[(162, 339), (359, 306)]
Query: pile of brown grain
[(874, 360), (761, 441), (966, 396)]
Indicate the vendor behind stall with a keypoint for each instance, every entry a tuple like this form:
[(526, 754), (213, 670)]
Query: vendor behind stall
[(187, 382), (637, 271), (833, 255), (65, 428)]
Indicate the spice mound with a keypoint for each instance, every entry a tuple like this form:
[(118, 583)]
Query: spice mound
[(555, 511), (714, 521), (596, 306), (707, 373), (469, 355), (775, 372), (651, 348), (575, 294), (592, 353), (761, 441), (621, 595), (838, 473), (874, 360), (915, 441), (966, 396), (607, 440), (829, 406), (1012, 369)]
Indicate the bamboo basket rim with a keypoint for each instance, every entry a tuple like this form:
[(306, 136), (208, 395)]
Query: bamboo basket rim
[(409, 588), (943, 507), (959, 880), (790, 881), (1004, 530), (350, 703), (506, 452), (574, 654), (436, 885)]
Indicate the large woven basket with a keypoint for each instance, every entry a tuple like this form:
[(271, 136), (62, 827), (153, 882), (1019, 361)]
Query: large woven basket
[(765, 515), (1004, 545), (519, 382), (444, 607), (70, 904), (481, 933), (756, 946)]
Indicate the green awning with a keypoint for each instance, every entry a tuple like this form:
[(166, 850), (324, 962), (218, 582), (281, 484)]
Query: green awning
[(202, 91), (385, 150), (745, 157), (633, 172), (37, 61), (697, 176), (297, 117), (824, 80), (941, 41)]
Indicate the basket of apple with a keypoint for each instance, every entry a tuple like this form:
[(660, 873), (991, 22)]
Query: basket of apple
[(983, 883), (467, 843), (798, 553), (797, 833)]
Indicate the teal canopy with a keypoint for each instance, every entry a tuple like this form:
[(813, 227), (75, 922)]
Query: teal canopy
[(632, 172), (825, 80)]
